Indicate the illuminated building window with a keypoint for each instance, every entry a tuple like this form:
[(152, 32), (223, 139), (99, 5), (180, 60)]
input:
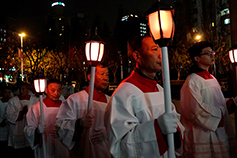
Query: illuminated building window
[(227, 21), (212, 24), (58, 3), (225, 12), (59, 19), (60, 34)]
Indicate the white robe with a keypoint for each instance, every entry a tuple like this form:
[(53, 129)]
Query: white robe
[(3, 130), (129, 120), (201, 104), (16, 136), (73, 108), (54, 148)]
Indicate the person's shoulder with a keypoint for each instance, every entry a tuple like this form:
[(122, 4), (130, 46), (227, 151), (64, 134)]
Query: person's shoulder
[(15, 98), (127, 88), (35, 106), (77, 95)]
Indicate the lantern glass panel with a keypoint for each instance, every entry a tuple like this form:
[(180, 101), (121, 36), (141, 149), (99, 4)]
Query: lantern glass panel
[(94, 50), (235, 55), (166, 24), (101, 51), (88, 51), (40, 85), (231, 56)]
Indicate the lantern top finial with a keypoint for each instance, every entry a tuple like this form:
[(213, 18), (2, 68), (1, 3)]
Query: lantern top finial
[(95, 30)]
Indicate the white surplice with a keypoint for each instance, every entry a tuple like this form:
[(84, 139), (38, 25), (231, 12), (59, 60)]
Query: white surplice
[(54, 147), (16, 136), (129, 120), (73, 108), (201, 105)]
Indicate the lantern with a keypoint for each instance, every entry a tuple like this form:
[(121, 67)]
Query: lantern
[(40, 85), (94, 50), (161, 25), (233, 54)]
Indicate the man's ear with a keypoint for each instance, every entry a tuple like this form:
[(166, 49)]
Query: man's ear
[(46, 90), (197, 58), (89, 77), (136, 55)]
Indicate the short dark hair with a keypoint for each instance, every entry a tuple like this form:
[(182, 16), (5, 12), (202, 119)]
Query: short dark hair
[(7, 87), (103, 65), (196, 49), (135, 45), (54, 81), (24, 84)]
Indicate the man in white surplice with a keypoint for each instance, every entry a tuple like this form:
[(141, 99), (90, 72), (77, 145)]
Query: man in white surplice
[(16, 110), (134, 118), (203, 108), (84, 133), (33, 128)]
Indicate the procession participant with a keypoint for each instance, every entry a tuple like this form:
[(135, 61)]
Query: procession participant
[(203, 108), (135, 117), (34, 129), (16, 116), (84, 133), (3, 124)]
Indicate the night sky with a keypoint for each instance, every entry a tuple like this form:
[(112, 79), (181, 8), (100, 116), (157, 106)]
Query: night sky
[(30, 14)]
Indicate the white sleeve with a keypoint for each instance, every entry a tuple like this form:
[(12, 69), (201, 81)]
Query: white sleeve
[(32, 123), (65, 122), (12, 111)]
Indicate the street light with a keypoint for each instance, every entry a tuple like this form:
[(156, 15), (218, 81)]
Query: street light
[(94, 50), (40, 85), (198, 38), (22, 35), (161, 24)]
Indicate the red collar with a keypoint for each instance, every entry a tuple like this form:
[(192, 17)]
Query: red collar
[(146, 85), (97, 96), (24, 97), (4, 99), (204, 74), (49, 103)]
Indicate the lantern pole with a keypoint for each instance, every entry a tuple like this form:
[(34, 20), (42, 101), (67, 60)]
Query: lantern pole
[(162, 41), (42, 123), (91, 91), (167, 95)]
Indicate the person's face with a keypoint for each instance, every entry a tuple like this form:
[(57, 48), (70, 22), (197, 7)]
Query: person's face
[(101, 78), (206, 58), (7, 93), (24, 90), (150, 56), (53, 91)]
